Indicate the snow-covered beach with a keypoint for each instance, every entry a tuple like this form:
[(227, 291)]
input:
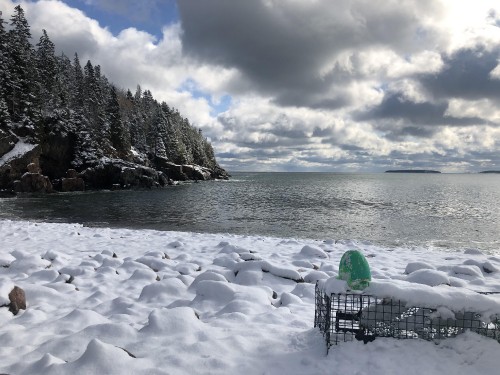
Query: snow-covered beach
[(119, 301)]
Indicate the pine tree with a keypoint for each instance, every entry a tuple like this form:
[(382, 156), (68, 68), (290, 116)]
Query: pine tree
[(120, 138), (47, 70), (77, 90), (63, 83), (5, 122), (21, 88), (4, 77)]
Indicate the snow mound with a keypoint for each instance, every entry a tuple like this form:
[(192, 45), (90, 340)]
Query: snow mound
[(6, 286), (415, 266), (429, 277), (469, 270), (313, 252), (314, 276)]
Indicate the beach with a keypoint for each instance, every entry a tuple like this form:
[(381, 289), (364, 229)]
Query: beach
[(121, 301)]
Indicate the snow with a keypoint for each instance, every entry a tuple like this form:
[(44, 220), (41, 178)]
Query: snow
[(116, 301), (19, 149)]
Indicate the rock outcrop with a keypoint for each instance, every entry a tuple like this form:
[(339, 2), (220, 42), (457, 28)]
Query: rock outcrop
[(72, 182), (15, 167), (111, 172), (45, 168), (33, 183)]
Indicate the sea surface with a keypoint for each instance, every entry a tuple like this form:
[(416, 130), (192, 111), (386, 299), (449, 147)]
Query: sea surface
[(452, 211)]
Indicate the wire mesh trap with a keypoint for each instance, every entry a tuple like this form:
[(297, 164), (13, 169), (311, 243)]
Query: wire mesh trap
[(347, 317)]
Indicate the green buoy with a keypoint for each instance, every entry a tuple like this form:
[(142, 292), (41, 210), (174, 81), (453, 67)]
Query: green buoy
[(354, 269)]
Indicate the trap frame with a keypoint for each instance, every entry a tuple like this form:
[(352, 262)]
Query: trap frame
[(348, 316)]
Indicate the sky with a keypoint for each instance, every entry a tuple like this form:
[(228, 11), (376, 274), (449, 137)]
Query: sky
[(304, 85)]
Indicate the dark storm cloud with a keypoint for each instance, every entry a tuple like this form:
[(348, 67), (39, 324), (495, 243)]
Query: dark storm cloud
[(417, 118), (282, 47), (466, 75)]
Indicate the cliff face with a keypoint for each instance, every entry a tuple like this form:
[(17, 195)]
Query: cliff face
[(48, 167)]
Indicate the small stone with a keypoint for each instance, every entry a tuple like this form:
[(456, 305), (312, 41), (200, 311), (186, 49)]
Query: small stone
[(17, 300)]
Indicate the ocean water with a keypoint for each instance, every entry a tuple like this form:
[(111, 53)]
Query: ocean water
[(454, 211)]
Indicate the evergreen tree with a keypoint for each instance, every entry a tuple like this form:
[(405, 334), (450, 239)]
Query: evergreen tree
[(5, 122), (4, 77), (47, 70), (77, 90), (21, 88), (63, 83), (120, 138)]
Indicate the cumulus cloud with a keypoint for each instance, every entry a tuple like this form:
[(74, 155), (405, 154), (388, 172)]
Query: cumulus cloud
[(312, 84)]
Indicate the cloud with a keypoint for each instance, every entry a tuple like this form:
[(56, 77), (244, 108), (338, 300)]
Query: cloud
[(310, 84), (467, 73), (296, 51)]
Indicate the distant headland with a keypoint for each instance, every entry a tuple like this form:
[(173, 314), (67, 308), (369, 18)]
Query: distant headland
[(412, 171), (490, 172)]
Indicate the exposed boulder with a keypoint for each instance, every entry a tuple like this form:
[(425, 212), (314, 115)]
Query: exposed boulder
[(171, 170), (220, 173), (34, 168), (195, 172), (17, 299), (57, 152), (13, 168), (33, 183), (72, 182), (71, 173), (110, 172), (11, 296)]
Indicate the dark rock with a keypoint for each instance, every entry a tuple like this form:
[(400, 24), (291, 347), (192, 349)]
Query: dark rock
[(118, 172), (220, 173), (171, 170), (72, 184), (196, 172), (33, 168), (57, 152), (33, 183), (17, 300), (163, 179), (71, 173), (56, 184), (15, 168), (7, 194)]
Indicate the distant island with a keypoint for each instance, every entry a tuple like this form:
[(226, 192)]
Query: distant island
[(412, 171), (490, 172)]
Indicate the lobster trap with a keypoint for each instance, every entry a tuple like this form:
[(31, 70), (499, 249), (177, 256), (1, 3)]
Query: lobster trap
[(346, 317)]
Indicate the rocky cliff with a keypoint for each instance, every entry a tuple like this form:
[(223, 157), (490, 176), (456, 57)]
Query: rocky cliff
[(47, 167)]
